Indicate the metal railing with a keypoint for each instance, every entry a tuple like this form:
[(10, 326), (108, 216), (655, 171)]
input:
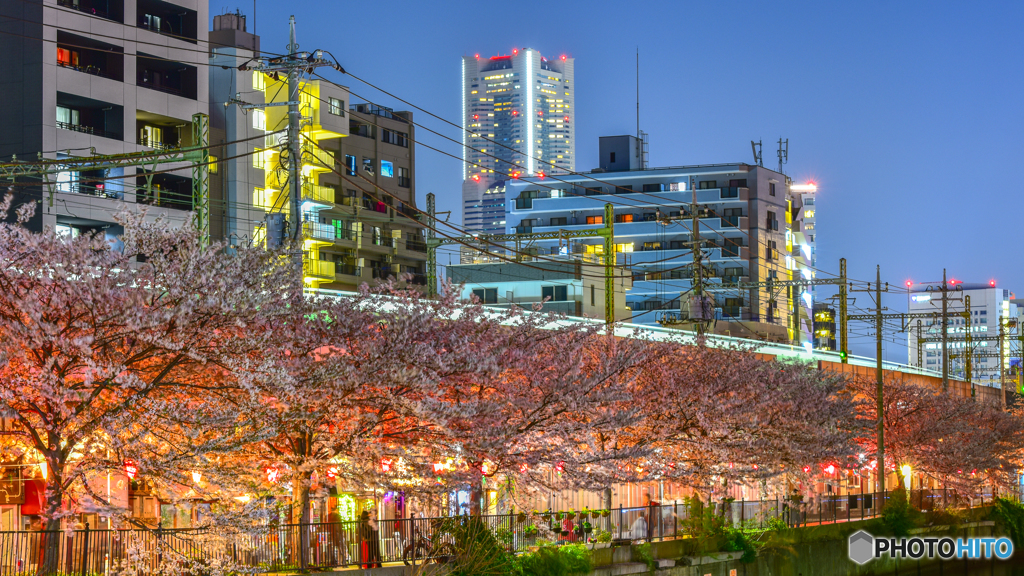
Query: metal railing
[(353, 543), (323, 269), (87, 130), (90, 69)]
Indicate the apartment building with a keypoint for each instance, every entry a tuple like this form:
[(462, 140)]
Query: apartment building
[(751, 222), (991, 307), (82, 78)]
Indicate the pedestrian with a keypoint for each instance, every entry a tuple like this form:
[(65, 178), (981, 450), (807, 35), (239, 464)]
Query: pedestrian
[(639, 528), (374, 547), (652, 513)]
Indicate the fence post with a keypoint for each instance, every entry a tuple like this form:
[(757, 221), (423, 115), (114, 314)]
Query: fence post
[(85, 550), (620, 520)]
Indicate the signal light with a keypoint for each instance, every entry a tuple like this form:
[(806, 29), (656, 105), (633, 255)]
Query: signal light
[(909, 283), (563, 57), (842, 354), (515, 51), (992, 283)]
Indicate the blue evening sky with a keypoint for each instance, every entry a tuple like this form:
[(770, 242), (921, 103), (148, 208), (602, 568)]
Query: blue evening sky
[(908, 114)]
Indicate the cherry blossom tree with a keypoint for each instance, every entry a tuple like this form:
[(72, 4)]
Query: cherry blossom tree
[(91, 337), (714, 415), (958, 441)]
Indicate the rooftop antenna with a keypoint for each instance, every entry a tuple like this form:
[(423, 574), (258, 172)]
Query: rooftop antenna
[(641, 136), (783, 153), (758, 153)]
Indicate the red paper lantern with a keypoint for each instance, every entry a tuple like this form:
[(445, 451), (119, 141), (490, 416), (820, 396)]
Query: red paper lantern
[(332, 472), (385, 464), (273, 474), (131, 469)]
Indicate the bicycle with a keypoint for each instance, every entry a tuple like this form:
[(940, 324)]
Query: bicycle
[(423, 547)]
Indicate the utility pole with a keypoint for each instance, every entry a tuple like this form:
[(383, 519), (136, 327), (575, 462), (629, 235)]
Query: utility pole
[(698, 255), (844, 348), (945, 335), (968, 345), (880, 405), (293, 65), (1002, 360)]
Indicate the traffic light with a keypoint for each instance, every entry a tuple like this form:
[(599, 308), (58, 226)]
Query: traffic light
[(842, 355)]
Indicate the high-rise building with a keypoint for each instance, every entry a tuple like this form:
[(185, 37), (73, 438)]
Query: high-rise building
[(991, 307), (82, 78), (519, 120), (752, 223), (824, 327)]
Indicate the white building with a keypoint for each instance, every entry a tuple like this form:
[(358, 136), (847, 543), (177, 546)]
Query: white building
[(88, 77), (754, 225), (990, 307), (525, 103)]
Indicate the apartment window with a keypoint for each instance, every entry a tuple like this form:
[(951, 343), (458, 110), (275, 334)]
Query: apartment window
[(67, 57), (396, 138), (350, 165), (387, 169), (336, 106), (595, 191), (259, 119), (773, 222), (627, 247), (403, 177), (152, 136), (652, 245), (708, 185), (771, 188), (611, 157), (257, 158), (486, 295), (742, 183), (67, 115), (559, 221), (771, 252), (554, 293), (595, 219), (623, 217), (259, 81), (368, 165)]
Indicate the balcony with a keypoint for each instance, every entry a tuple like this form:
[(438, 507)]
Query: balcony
[(316, 194), (730, 193), (88, 130), (415, 245), (404, 182), (90, 56), (158, 74), (109, 9), (88, 116), (348, 270), (317, 158), (318, 269), (318, 231), (168, 19), (385, 241)]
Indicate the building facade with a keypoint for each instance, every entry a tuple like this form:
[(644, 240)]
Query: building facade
[(518, 117), (991, 308), (574, 286), (824, 327), (751, 224), (102, 77)]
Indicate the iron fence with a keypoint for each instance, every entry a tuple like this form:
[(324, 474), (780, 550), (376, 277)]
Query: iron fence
[(284, 547)]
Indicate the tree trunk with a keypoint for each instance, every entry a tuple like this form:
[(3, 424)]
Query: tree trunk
[(49, 538), (300, 515)]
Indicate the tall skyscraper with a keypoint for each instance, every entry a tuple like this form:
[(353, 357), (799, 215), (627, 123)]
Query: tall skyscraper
[(524, 103)]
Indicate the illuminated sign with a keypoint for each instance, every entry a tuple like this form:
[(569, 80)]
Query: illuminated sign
[(921, 297)]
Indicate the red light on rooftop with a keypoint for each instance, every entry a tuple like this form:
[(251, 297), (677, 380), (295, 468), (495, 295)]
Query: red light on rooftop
[(477, 56), (476, 177), (909, 283), (563, 57), (566, 118), (540, 175), (515, 51), (992, 283)]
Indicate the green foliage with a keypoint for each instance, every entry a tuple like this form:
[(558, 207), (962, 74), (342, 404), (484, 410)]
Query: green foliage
[(1011, 514), (642, 553), (478, 551), (898, 516), (946, 517), (776, 524), (602, 536), (530, 530), (739, 539), (567, 560)]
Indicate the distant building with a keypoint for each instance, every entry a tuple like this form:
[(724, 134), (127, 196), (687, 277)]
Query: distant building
[(824, 327), (573, 286), (525, 102), (990, 307), (751, 220)]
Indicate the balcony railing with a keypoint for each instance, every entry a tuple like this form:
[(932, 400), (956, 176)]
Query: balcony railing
[(348, 269), (416, 245), (87, 69), (524, 203), (318, 231), (87, 130), (318, 157), (157, 145), (75, 5), (385, 241), (317, 193), (404, 181), (320, 269)]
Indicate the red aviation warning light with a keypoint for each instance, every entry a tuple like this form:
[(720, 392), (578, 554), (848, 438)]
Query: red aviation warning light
[(476, 116), (515, 51), (563, 57), (515, 112), (476, 177), (477, 56), (910, 283), (992, 283)]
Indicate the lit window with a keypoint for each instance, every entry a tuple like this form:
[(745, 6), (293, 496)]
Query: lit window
[(337, 107), (595, 219), (259, 81), (259, 119), (257, 158), (387, 169)]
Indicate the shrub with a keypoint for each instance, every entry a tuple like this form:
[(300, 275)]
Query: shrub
[(567, 560), (897, 515), (1011, 514)]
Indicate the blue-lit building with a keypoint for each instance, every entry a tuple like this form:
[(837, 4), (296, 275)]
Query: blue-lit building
[(753, 221)]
